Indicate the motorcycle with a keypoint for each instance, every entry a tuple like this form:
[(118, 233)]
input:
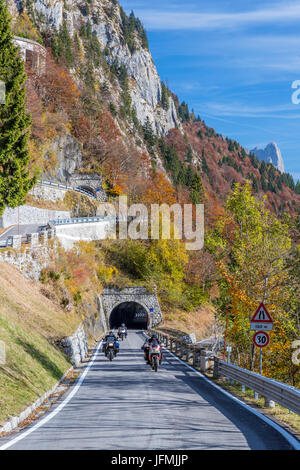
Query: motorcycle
[(122, 334), (154, 355), (110, 348)]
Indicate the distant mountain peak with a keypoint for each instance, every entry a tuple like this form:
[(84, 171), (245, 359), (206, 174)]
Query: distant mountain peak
[(270, 154)]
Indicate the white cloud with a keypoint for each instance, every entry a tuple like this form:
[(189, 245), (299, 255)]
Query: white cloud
[(240, 110), (174, 20)]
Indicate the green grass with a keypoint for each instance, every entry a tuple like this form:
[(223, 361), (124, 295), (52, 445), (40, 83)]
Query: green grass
[(30, 324)]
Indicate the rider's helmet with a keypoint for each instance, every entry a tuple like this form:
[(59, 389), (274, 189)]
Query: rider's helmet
[(154, 336)]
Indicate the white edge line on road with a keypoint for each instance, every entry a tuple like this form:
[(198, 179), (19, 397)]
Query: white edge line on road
[(291, 439), (57, 410)]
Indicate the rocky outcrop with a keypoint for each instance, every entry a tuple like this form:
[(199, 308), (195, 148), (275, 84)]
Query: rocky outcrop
[(104, 17), (271, 154), (69, 157), (75, 346)]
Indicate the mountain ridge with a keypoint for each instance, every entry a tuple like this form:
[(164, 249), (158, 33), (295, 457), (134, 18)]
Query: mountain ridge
[(123, 109)]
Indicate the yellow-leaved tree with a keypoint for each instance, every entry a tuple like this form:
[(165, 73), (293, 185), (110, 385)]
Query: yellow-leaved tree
[(252, 249)]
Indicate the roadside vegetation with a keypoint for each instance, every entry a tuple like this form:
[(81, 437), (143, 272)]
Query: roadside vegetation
[(30, 325)]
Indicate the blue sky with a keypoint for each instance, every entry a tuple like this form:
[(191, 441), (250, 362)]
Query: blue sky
[(234, 63)]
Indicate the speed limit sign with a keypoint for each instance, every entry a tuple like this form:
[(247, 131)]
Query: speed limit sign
[(261, 339)]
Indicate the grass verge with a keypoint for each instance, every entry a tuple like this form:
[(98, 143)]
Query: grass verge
[(30, 325)]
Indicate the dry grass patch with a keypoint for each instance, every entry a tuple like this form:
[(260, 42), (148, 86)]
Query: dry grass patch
[(200, 322)]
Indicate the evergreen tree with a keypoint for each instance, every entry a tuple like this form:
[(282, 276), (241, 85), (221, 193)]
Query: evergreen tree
[(197, 191), (15, 181), (205, 168), (189, 155), (149, 135), (164, 97), (189, 176)]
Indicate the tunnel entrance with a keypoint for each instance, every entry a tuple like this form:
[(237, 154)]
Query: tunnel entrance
[(133, 314), (87, 189)]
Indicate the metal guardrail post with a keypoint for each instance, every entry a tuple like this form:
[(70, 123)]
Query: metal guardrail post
[(197, 358), (216, 373), (269, 403), (188, 353), (194, 357), (203, 361)]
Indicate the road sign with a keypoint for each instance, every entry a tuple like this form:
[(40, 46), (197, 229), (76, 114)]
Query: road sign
[(262, 315), (261, 326), (261, 339), (261, 320)]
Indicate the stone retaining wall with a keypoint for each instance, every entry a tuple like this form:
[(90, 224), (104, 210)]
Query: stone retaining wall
[(75, 346), (48, 193)]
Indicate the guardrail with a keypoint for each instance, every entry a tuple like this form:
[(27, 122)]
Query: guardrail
[(6, 243), (80, 220), (272, 390), (193, 353), (32, 239), (69, 188)]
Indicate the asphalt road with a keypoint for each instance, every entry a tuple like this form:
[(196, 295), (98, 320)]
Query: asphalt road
[(123, 404), (20, 230)]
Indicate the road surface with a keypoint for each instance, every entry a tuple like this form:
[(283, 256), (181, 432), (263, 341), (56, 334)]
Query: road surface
[(123, 404), (19, 230)]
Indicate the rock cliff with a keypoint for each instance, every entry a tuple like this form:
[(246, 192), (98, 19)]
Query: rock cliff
[(271, 154), (106, 20)]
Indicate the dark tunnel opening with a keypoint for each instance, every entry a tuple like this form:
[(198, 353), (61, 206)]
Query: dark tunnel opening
[(87, 189), (134, 316)]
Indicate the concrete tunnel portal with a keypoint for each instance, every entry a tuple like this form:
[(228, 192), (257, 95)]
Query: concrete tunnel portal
[(133, 314)]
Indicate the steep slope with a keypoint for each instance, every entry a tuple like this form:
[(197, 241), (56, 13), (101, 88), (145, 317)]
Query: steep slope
[(223, 162), (103, 99), (30, 323), (123, 42)]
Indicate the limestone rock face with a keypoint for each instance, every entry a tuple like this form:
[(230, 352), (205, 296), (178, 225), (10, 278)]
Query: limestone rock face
[(69, 157), (105, 19), (271, 154)]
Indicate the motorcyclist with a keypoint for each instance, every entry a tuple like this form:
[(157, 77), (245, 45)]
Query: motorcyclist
[(122, 328), (152, 340), (113, 339)]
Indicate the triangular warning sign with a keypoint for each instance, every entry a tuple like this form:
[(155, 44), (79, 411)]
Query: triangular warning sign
[(262, 315)]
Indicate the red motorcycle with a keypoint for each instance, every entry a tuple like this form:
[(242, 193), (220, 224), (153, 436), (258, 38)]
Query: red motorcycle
[(154, 355)]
